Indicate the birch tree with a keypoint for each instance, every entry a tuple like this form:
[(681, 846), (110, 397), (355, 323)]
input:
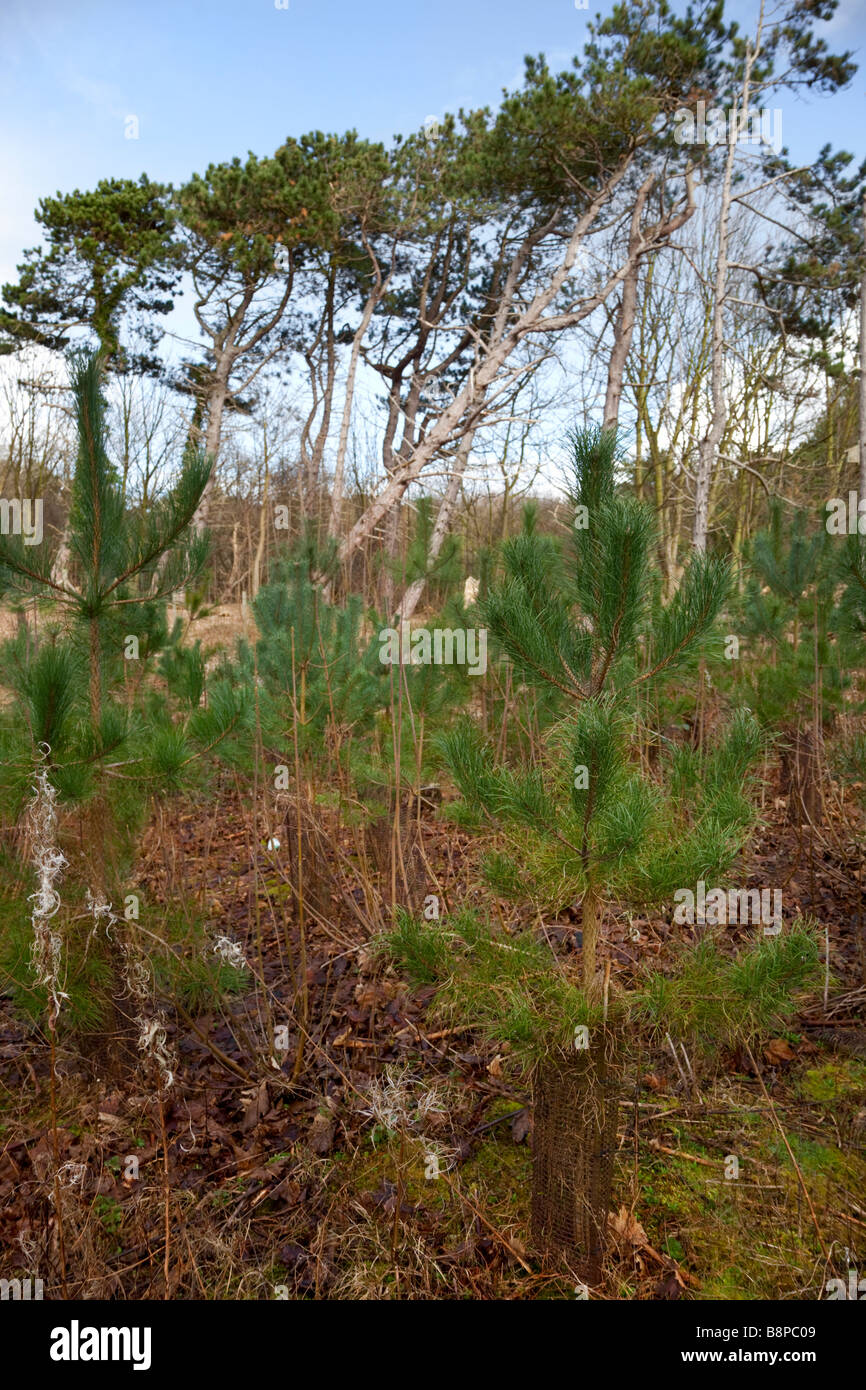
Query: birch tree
[(782, 35)]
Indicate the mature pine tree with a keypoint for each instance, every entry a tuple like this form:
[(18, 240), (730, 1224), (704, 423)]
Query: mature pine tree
[(255, 233), (814, 278), (110, 252)]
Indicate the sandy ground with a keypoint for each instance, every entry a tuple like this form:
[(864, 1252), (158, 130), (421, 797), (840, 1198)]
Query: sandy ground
[(219, 629), (217, 632)]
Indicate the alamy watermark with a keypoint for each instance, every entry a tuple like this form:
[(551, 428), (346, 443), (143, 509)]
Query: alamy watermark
[(846, 518), (21, 1290), (719, 127), (738, 905), (854, 1290), (77, 1343), (437, 647), (21, 517)]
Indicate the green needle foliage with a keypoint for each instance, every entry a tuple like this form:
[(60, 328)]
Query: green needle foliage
[(582, 622), (318, 675), (322, 680), (83, 703), (442, 574), (586, 819), (790, 621), (112, 544), (124, 563), (714, 1000), (850, 567), (800, 644), (711, 1000), (110, 253)]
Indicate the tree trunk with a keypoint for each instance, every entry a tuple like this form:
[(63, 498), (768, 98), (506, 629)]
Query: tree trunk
[(441, 528), (621, 344), (313, 460), (256, 578), (624, 328), (801, 774), (216, 408), (708, 450), (710, 444), (390, 547), (336, 513), (60, 566), (589, 923)]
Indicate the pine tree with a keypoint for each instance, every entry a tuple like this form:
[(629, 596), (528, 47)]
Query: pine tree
[(598, 825), (110, 253), (584, 818), (105, 741), (796, 671), (326, 678), (319, 678)]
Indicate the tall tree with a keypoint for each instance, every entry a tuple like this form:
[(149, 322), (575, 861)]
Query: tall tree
[(111, 259), (815, 277), (352, 265), (257, 238), (549, 169), (240, 290), (783, 54)]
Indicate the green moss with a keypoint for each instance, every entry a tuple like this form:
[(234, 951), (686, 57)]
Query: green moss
[(745, 1239), (834, 1079), (815, 1160), (730, 1284)]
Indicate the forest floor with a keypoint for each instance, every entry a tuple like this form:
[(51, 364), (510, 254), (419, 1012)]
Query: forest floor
[(384, 1151), (304, 1169)]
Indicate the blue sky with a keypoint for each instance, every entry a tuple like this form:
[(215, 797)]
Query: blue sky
[(216, 78)]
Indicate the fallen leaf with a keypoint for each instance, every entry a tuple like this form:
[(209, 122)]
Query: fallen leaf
[(624, 1225), (321, 1137), (257, 1105)]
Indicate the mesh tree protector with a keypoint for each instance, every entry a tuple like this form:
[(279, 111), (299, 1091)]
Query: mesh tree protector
[(576, 1098)]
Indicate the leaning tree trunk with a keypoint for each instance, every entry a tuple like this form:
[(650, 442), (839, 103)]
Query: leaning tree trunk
[(213, 435), (411, 597), (575, 1098), (336, 516)]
